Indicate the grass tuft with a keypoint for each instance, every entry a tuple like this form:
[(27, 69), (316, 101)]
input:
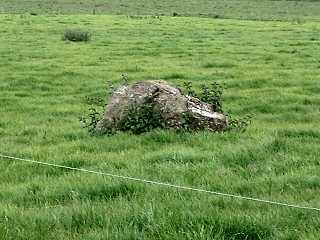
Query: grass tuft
[(76, 35)]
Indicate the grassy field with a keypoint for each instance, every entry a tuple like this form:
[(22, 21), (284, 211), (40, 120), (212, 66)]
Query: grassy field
[(271, 69), (240, 9)]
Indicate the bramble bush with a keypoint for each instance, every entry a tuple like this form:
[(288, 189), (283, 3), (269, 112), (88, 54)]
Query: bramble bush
[(144, 120)]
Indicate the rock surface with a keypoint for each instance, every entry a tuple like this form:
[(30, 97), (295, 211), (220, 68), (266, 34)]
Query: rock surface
[(176, 108)]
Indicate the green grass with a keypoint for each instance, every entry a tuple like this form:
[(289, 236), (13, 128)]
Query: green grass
[(296, 11), (271, 70)]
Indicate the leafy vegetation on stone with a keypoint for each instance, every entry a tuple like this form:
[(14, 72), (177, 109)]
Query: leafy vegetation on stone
[(148, 116)]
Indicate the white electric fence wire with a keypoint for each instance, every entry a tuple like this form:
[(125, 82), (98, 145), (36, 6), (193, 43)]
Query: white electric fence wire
[(162, 183)]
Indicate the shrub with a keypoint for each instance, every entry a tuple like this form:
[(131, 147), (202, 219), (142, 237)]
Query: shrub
[(137, 120), (91, 123), (140, 120), (76, 35), (211, 94)]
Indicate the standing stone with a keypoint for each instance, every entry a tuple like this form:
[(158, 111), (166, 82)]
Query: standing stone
[(176, 108)]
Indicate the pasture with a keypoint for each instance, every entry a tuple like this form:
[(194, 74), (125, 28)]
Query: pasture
[(270, 64)]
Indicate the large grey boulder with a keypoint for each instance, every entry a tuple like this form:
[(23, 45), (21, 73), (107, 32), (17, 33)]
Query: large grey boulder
[(176, 108)]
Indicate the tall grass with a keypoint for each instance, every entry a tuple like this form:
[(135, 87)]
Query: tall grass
[(270, 69)]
